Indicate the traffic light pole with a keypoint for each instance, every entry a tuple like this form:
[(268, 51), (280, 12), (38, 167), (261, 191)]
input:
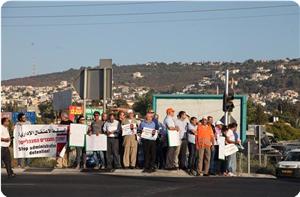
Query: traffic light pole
[(85, 92), (226, 115)]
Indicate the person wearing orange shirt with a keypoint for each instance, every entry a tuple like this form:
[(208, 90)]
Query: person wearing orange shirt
[(204, 145)]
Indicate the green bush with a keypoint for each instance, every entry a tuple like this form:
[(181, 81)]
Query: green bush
[(283, 131)]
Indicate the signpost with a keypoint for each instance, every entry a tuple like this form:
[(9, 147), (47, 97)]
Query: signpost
[(95, 83), (62, 100)]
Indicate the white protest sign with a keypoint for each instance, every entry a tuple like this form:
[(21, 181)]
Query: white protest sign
[(96, 143), (173, 138), (77, 134), (112, 129), (32, 141), (230, 149), (221, 142), (147, 134), (191, 138), (126, 129)]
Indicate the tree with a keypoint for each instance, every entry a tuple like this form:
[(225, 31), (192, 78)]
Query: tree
[(143, 103), (121, 103), (256, 114), (47, 112)]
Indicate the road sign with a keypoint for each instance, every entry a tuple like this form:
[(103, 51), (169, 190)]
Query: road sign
[(94, 83), (62, 100)]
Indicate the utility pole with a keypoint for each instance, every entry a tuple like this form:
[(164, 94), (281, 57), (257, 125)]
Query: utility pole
[(226, 93), (104, 90)]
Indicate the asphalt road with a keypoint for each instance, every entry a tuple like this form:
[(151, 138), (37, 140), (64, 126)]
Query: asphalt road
[(105, 185)]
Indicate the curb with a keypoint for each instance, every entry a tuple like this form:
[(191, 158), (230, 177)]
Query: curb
[(122, 172)]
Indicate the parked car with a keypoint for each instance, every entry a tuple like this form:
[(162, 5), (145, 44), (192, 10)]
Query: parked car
[(290, 166)]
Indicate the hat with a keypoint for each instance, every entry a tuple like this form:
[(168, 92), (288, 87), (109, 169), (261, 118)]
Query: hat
[(204, 117), (219, 123), (170, 109), (130, 111)]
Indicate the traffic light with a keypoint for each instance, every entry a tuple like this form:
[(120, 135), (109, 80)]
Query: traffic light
[(228, 102)]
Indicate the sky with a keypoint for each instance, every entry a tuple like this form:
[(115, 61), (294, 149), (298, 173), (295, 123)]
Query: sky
[(135, 33)]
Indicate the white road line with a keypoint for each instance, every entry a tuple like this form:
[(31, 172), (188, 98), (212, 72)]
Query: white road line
[(18, 184)]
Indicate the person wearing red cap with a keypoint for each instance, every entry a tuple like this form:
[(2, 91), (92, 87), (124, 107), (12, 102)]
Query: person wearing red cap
[(169, 123)]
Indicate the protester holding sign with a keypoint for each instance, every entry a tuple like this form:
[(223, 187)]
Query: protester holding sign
[(80, 151), (112, 129), (180, 154), (169, 123), (231, 138), (5, 143), (130, 141), (97, 128), (149, 135), (192, 131), (63, 159), (214, 161), (22, 121), (204, 145)]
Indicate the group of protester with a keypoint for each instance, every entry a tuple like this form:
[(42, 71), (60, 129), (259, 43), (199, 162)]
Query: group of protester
[(197, 153)]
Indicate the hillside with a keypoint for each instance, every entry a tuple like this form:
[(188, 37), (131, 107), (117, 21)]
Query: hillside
[(282, 75)]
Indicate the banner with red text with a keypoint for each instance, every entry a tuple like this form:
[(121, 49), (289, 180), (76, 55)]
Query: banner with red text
[(31, 141)]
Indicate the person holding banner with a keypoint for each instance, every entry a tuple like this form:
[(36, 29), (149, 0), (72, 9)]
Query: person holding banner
[(97, 128), (130, 144), (231, 138), (192, 131), (5, 143), (204, 145), (63, 160), (169, 123), (22, 121), (80, 151), (149, 136), (112, 129)]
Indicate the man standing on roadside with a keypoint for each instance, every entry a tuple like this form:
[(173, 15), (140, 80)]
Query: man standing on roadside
[(130, 142), (112, 129), (204, 144), (63, 162), (97, 128), (5, 143), (121, 118), (149, 146), (22, 121), (169, 123), (180, 154)]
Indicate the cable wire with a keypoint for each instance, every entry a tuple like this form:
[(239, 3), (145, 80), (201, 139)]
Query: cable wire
[(146, 21), (147, 13)]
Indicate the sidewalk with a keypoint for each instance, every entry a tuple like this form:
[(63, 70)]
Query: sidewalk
[(121, 172)]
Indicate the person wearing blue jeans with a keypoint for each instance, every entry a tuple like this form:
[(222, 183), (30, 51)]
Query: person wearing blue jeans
[(192, 130), (100, 159), (97, 128), (231, 138)]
